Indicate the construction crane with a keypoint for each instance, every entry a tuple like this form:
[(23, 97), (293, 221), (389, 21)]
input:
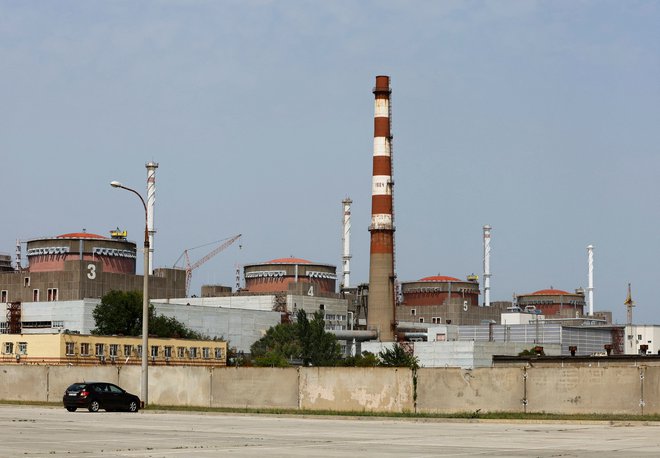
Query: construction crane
[(190, 267), (629, 303)]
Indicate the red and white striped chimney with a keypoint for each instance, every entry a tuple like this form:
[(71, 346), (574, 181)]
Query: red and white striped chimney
[(381, 268)]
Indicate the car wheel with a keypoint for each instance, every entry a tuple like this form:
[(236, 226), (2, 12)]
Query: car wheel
[(94, 406), (71, 409), (133, 406)]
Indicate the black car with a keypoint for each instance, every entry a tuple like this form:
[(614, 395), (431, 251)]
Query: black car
[(99, 395)]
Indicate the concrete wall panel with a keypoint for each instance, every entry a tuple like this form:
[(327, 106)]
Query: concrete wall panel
[(584, 390), (652, 390), (454, 390), (255, 387), (370, 389), (179, 386), (23, 383), (60, 377)]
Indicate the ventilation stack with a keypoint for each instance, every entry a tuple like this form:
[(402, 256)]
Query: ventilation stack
[(590, 288), (346, 243), (487, 230), (381, 260), (151, 201)]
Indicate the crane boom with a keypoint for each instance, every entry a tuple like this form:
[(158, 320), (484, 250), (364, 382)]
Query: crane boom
[(191, 267)]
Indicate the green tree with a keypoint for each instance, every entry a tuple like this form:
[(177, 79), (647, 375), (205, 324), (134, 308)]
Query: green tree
[(366, 359), (319, 348), (303, 340), (397, 356), (280, 344), (120, 312)]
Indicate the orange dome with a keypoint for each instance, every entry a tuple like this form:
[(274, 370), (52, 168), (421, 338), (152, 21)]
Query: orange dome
[(80, 235), (288, 261), (550, 292), (439, 278)]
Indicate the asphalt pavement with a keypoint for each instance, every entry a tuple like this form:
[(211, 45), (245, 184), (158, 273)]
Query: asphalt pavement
[(30, 431)]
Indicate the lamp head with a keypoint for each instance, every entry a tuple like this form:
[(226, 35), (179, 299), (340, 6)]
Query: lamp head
[(115, 184)]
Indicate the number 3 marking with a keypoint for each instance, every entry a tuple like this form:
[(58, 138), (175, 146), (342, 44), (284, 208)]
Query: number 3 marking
[(92, 271)]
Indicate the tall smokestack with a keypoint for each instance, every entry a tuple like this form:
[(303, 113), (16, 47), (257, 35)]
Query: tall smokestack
[(381, 268), (590, 289), (487, 230), (151, 201), (346, 242)]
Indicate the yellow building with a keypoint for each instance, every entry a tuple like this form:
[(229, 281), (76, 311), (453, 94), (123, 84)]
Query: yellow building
[(81, 349)]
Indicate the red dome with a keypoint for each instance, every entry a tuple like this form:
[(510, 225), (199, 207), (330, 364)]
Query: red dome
[(550, 292), (288, 261), (439, 278), (80, 235)]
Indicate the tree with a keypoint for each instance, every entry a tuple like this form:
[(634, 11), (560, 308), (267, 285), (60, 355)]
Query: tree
[(120, 312), (319, 348), (279, 345), (303, 340), (397, 356)]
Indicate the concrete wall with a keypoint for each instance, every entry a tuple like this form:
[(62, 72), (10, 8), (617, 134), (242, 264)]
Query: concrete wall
[(454, 390), (368, 389), (573, 390), (565, 390), (255, 387)]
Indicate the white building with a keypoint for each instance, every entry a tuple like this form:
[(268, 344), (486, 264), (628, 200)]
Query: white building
[(642, 339)]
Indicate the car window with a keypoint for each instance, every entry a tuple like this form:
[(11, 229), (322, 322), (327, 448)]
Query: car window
[(115, 389), (98, 388), (76, 387)]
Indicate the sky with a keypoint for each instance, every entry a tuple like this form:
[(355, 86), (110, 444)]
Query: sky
[(540, 118)]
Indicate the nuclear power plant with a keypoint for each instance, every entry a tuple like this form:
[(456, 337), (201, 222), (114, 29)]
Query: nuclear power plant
[(72, 271)]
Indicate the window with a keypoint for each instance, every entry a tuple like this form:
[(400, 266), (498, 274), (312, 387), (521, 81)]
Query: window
[(413, 312), (114, 348), (22, 348), (421, 320), (139, 351), (99, 349), (70, 348), (8, 348), (180, 352), (128, 350), (58, 324), (168, 352), (35, 295), (193, 352), (321, 307), (154, 351), (436, 320), (26, 281), (206, 352), (52, 294), (639, 337), (218, 353), (84, 349), (3, 295)]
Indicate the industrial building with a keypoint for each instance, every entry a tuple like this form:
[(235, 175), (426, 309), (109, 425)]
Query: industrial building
[(241, 318), (80, 349), (81, 265), (642, 339), (441, 299)]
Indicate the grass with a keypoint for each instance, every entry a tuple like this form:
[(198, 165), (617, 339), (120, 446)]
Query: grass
[(475, 415)]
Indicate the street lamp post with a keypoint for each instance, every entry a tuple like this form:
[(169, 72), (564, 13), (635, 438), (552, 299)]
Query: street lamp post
[(144, 393)]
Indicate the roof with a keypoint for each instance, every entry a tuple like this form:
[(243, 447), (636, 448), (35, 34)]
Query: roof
[(550, 292), (288, 261), (80, 235), (439, 278)]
